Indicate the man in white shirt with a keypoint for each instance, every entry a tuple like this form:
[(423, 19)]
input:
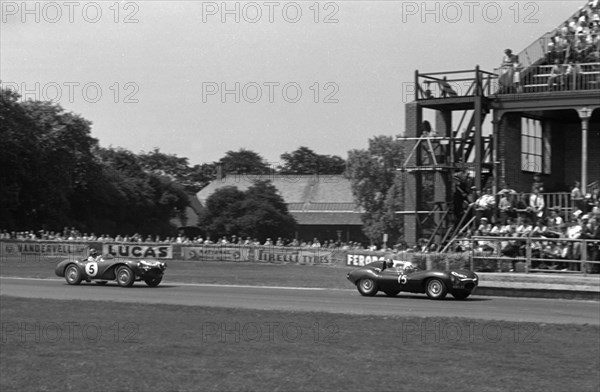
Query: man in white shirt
[(536, 204)]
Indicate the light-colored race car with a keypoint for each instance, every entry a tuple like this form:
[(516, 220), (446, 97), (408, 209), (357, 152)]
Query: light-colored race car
[(104, 268)]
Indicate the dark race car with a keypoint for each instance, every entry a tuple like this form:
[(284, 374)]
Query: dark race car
[(105, 268), (384, 276)]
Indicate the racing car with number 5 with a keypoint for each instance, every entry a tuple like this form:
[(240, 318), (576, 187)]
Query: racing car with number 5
[(392, 278), (104, 268)]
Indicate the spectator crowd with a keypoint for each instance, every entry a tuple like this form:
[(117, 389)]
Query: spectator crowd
[(73, 234), (512, 217), (578, 39), (570, 53), (521, 219)]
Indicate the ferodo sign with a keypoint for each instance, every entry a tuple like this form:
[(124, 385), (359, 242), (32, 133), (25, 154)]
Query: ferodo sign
[(139, 251), (361, 260)]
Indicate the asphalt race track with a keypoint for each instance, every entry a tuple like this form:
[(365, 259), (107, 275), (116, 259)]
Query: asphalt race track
[(315, 300)]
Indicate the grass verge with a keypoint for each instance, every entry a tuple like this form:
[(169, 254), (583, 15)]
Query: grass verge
[(50, 345), (244, 273)]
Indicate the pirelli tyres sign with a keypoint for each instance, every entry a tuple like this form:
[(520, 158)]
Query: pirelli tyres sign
[(262, 254)]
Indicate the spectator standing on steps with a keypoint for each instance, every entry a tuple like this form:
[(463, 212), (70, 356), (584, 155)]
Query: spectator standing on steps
[(576, 197), (536, 204)]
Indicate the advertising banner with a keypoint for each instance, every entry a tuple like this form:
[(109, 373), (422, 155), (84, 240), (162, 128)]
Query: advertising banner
[(360, 260), (263, 254), (215, 253), (43, 249), (139, 251), (293, 255)]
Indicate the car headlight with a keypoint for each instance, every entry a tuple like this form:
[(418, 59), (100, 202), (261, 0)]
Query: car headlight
[(460, 276)]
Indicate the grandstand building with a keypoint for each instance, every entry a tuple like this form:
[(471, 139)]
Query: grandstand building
[(544, 108)]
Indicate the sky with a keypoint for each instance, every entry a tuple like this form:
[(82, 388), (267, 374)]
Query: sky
[(199, 78)]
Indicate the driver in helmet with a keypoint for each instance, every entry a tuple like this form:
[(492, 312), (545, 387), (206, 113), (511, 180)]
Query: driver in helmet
[(94, 255), (409, 267)]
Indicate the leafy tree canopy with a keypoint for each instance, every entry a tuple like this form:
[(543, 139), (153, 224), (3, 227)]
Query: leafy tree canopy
[(54, 174), (178, 169), (377, 187), (306, 161), (259, 212), (243, 162)]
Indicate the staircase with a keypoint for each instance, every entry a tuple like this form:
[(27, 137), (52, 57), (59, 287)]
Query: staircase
[(463, 151)]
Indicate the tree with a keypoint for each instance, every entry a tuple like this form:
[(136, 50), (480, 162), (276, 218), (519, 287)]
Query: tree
[(243, 162), (18, 151), (138, 201), (306, 161), (377, 187), (47, 153), (54, 174), (178, 169), (266, 214), (222, 210), (259, 212)]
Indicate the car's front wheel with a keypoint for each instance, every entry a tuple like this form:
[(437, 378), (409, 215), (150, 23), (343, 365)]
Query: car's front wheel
[(367, 287), (125, 276), (153, 282), (436, 289), (460, 295), (73, 275)]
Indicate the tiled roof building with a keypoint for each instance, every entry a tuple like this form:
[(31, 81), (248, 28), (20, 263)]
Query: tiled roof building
[(322, 205)]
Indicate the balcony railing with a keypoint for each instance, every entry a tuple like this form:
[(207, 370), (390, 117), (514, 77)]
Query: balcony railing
[(537, 254), (536, 51), (465, 83)]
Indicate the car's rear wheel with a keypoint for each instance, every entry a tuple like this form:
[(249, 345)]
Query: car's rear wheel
[(460, 295), (125, 276), (101, 282), (391, 293), (367, 287), (436, 289), (153, 282), (73, 275)]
